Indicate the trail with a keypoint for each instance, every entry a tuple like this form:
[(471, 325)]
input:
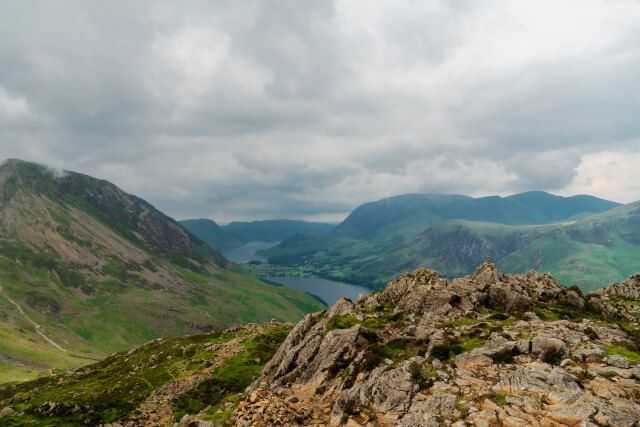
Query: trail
[(37, 327)]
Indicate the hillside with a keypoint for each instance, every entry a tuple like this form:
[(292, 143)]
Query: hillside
[(211, 233), (486, 349), (409, 214), (273, 230), (599, 249), (596, 249), (87, 269)]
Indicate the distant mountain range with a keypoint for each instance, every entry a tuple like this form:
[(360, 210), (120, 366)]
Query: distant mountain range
[(235, 234), (87, 269), (211, 233), (584, 240)]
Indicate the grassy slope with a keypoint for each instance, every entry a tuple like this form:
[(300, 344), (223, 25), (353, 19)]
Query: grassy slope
[(96, 285), (590, 252), (115, 387)]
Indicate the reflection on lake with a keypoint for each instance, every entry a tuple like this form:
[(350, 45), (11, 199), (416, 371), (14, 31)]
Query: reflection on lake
[(247, 253), (329, 290)]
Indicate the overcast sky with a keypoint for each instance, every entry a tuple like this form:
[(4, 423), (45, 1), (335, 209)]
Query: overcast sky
[(305, 109)]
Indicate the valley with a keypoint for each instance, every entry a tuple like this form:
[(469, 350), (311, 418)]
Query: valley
[(94, 270)]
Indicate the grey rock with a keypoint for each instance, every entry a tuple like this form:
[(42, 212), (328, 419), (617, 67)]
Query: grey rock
[(6, 411), (619, 362), (418, 419), (436, 363), (528, 379), (542, 343), (441, 403), (589, 354)]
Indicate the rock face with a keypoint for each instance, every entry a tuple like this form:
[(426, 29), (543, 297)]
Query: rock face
[(486, 349)]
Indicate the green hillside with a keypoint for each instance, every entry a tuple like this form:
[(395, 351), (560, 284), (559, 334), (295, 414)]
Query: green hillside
[(87, 269), (599, 249), (274, 229), (409, 214), (587, 252), (211, 233)]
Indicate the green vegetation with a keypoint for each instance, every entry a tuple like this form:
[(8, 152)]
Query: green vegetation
[(395, 350), (370, 250), (622, 351), (233, 376), (100, 271), (499, 398), (113, 388)]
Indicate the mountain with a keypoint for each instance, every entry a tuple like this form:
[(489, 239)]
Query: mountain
[(452, 233), (273, 230), (211, 233), (486, 349), (410, 214), (598, 249), (87, 269)]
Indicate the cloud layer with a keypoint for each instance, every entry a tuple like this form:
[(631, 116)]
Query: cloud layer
[(268, 109)]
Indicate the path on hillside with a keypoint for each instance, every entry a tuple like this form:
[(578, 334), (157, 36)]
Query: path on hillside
[(35, 325)]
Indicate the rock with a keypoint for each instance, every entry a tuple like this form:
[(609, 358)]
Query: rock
[(629, 289), (6, 411), (527, 379), (575, 300), (531, 316), (589, 354), (565, 363), (543, 343), (440, 403), (472, 360), (415, 419), (507, 299), (619, 362), (436, 363), (193, 421)]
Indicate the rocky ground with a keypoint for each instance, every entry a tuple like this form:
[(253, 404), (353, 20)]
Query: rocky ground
[(487, 349)]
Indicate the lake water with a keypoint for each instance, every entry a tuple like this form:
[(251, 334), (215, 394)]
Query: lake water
[(329, 290), (247, 253)]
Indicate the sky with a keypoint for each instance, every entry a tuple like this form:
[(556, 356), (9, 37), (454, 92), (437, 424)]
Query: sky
[(287, 109)]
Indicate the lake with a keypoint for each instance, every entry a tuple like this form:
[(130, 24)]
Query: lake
[(329, 290), (247, 253)]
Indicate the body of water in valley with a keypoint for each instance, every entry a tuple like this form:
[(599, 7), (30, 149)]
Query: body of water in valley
[(329, 290), (247, 253)]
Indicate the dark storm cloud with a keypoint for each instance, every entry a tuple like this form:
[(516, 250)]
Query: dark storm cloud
[(264, 109)]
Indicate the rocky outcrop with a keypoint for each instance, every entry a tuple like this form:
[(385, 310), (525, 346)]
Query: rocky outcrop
[(486, 349)]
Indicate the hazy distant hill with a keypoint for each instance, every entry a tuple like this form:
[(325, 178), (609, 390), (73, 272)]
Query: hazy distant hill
[(410, 214), (87, 269), (273, 230), (453, 233), (211, 233), (599, 249)]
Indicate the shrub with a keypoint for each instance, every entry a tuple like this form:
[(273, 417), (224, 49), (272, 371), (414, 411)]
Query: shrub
[(551, 355)]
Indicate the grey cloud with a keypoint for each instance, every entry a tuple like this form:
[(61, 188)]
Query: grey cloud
[(279, 108)]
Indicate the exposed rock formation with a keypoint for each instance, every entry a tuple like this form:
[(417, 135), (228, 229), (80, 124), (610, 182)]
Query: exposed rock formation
[(486, 349)]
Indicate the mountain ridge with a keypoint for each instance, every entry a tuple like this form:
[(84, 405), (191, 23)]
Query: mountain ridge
[(454, 246), (100, 270)]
